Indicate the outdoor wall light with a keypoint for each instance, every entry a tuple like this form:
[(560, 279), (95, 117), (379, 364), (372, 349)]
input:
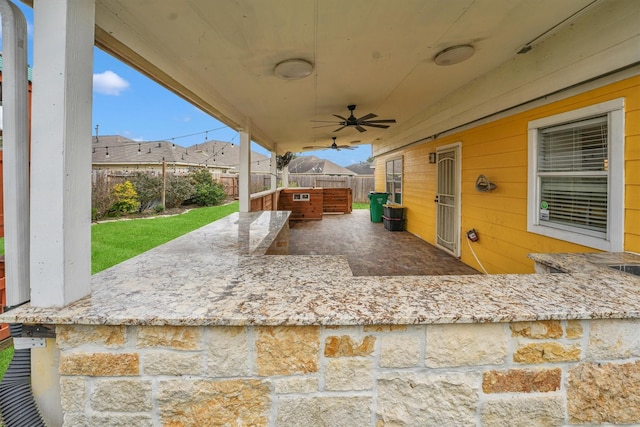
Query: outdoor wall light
[(484, 185), (293, 69), (454, 54), (432, 157)]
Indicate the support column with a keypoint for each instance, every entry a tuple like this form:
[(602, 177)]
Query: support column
[(61, 151), (15, 113), (244, 180), (285, 177), (274, 171)]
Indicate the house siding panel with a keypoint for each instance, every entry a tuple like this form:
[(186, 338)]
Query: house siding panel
[(499, 151)]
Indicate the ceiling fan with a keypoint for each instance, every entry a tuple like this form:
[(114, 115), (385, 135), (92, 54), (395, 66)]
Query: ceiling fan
[(333, 146), (359, 123)]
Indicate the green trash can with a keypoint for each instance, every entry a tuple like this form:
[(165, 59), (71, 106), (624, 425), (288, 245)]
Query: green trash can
[(376, 200)]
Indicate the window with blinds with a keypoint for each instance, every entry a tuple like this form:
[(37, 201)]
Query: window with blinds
[(573, 163), (575, 186)]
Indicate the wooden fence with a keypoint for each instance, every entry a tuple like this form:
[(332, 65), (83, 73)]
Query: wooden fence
[(360, 185)]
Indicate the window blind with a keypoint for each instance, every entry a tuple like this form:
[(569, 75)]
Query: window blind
[(573, 173), (575, 147)]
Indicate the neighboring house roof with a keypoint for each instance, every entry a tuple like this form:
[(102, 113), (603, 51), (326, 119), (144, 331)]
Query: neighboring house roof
[(313, 164), (227, 153), (117, 149), (362, 168)]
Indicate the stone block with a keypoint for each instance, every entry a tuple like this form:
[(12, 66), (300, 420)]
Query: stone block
[(70, 336), (613, 339), (423, 399), (298, 384), (121, 396), (172, 363), (227, 352), (346, 346), (466, 345), (175, 337), (547, 352), (522, 381), (284, 350), (542, 329), (100, 364), (72, 394), (523, 412), (604, 393), (399, 351), (349, 374), (574, 329), (352, 411), (213, 403)]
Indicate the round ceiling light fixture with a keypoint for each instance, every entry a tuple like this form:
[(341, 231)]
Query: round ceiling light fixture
[(293, 69), (454, 54)]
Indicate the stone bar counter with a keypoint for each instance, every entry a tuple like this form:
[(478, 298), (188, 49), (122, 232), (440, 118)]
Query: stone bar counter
[(220, 327)]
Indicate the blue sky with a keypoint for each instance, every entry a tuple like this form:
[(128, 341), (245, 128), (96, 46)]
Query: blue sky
[(127, 103)]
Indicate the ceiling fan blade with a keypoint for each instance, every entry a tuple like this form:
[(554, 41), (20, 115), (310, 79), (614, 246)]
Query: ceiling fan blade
[(374, 125), (345, 147), (360, 128), (380, 121), (367, 117), (325, 126), (340, 128), (324, 121), (340, 117)]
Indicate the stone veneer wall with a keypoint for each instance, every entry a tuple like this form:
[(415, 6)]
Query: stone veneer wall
[(547, 373)]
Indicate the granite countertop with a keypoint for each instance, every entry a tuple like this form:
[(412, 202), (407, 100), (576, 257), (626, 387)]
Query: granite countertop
[(204, 278)]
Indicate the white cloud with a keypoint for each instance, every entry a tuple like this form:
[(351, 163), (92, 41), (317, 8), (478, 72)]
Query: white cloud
[(109, 83)]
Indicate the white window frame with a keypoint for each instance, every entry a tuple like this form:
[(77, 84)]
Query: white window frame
[(614, 239), (391, 198)]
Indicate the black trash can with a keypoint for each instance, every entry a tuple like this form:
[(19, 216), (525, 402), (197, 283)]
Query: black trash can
[(376, 201), (393, 217)]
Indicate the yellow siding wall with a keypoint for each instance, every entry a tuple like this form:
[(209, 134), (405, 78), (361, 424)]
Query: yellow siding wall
[(499, 151)]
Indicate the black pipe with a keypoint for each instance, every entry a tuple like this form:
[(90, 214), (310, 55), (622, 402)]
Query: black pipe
[(17, 406)]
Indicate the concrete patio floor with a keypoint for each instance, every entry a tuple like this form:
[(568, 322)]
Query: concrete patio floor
[(370, 249)]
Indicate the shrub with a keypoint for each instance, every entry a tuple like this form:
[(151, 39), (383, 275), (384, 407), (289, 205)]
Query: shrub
[(207, 191), (126, 199), (179, 189), (149, 189), (102, 198)]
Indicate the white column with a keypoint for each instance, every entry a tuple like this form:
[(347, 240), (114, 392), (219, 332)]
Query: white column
[(61, 151), (285, 177), (244, 180), (274, 171), (15, 153)]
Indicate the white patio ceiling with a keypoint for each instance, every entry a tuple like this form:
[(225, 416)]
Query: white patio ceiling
[(377, 54)]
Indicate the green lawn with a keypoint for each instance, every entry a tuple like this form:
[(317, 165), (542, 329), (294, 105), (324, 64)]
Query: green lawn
[(5, 359), (114, 242)]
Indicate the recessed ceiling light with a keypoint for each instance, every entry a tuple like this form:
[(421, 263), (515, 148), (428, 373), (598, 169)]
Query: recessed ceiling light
[(293, 69), (454, 54)]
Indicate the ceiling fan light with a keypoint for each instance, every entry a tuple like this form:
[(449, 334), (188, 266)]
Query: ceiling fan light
[(454, 55), (293, 69)]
